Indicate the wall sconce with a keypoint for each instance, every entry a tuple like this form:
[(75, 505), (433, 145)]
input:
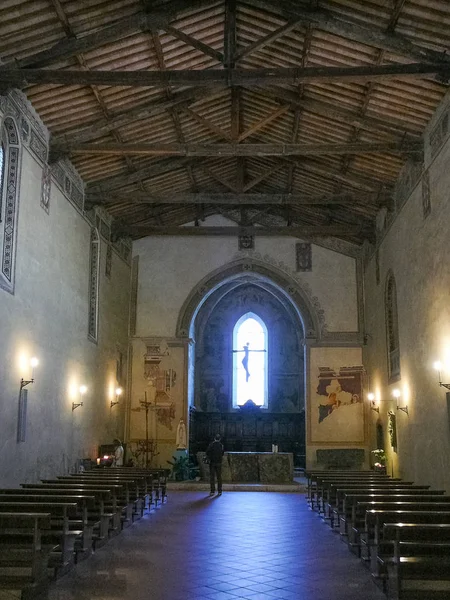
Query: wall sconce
[(437, 365), (396, 393), (373, 405), (119, 392), (24, 382), (83, 390)]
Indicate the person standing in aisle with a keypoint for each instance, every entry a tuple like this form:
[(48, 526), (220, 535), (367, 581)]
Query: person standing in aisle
[(215, 452)]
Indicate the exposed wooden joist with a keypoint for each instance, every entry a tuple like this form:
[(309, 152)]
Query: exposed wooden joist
[(206, 123), (214, 77), (337, 112), (197, 44), (264, 175), (66, 48), (154, 170), (226, 198), (233, 149), (352, 30), (145, 111), (294, 231), (263, 122), (267, 39)]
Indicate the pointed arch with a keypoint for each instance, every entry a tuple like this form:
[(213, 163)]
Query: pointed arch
[(265, 275)]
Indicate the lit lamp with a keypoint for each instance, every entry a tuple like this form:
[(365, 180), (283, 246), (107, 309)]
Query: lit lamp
[(437, 365), (373, 405), (82, 390), (24, 382), (119, 392), (396, 393)]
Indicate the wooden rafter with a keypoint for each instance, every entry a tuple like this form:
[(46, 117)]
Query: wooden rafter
[(206, 123), (197, 44), (227, 198), (267, 39), (295, 231), (234, 149), (351, 29), (145, 111), (229, 77), (339, 113), (141, 21)]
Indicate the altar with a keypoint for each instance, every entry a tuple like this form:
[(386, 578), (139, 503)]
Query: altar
[(253, 467)]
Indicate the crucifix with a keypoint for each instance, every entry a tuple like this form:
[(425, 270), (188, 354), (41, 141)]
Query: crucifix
[(246, 350)]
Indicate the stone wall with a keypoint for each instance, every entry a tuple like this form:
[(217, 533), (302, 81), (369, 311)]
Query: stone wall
[(47, 317), (415, 250)]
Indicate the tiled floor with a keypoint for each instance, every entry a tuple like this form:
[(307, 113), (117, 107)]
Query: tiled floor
[(262, 546)]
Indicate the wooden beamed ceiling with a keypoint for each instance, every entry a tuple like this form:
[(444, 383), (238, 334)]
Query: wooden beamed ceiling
[(287, 118)]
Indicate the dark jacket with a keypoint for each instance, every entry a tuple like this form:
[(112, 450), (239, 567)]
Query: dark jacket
[(215, 452)]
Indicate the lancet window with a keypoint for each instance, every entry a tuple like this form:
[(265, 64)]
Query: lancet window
[(250, 361)]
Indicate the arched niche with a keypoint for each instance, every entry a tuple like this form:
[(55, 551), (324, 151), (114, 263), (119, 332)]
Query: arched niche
[(287, 289), (270, 287)]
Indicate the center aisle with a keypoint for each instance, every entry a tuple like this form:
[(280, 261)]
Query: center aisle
[(259, 545)]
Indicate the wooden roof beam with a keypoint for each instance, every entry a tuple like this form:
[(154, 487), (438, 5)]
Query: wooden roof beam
[(197, 44), (154, 170), (267, 39), (215, 77), (352, 30), (150, 20), (294, 231), (233, 198), (144, 111), (338, 112), (233, 149)]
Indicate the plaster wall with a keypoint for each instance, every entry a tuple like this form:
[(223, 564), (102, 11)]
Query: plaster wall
[(169, 268), (47, 317), (417, 252)]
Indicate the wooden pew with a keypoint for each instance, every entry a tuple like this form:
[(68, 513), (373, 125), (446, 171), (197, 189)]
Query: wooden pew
[(106, 516), (313, 475), (131, 498), (334, 493), (159, 479), (59, 535), (139, 487), (323, 481), (77, 523), (336, 508), (353, 514), (23, 559), (372, 542), (420, 565)]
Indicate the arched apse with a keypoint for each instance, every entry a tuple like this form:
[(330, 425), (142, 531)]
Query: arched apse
[(246, 270), (208, 317)]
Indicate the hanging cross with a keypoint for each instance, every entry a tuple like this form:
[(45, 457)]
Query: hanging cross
[(246, 352)]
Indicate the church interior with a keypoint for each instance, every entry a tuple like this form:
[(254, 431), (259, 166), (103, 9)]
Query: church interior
[(225, 217)]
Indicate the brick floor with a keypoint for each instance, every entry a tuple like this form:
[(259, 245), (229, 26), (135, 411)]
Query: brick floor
[(260, 546)]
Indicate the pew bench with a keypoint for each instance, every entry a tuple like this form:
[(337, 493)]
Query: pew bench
[(372, 537), (67, 532), (335, 505), (96, 515), (353, 514), (23, 557), (419, 566)]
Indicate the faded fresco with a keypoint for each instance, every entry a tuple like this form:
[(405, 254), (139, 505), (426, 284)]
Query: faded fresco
[(336, 404)]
